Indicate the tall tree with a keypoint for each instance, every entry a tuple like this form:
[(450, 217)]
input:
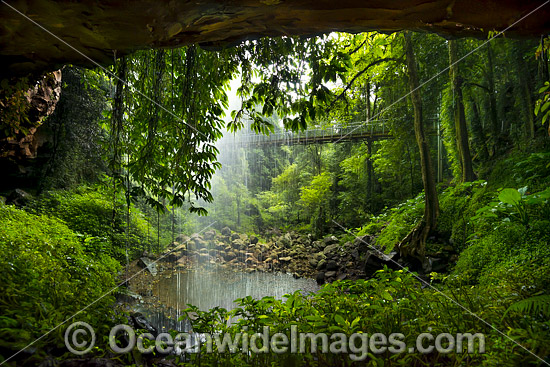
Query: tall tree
[(461, 129), (414, 244)]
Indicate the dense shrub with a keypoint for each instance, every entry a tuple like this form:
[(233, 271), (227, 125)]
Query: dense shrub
[(47, 277), (393, 224), (89, 212), (392, 302)]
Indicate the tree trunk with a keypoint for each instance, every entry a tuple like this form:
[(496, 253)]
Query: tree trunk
[(523, 89), (370, 171), (478, 133), (459, 117), (492, 99), (414, 244)]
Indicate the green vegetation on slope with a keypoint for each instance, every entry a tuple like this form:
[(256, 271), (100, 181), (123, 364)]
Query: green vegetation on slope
[(47, 276)]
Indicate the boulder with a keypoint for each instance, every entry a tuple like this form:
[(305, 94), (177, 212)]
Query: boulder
[(210, 234), (148, 263), (237, 243), (226, 231), (332, 265), (182, 238), (331, 250), (228, 256), (286, 240), (363, 243), (320, 277), (330, 240), (18, 197), (253, 240), (330, 274), (376, 260), (321, 264)]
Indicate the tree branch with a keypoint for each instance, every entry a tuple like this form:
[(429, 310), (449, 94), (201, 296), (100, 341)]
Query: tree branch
[(374, 63)]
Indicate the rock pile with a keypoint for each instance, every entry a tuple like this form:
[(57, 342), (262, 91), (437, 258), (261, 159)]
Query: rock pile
[(325, 260)]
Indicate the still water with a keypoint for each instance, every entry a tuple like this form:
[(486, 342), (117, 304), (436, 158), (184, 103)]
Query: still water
[(214, 286), (208, 288)]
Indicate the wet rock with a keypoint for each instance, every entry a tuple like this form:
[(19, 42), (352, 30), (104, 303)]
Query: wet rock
[(331, 250), (237, 243), (320, 277), (363, 243), (342, 276), (286, 259), (200, 244), (210, 234), (141, 322), (182, 238), (318, 245), (376, 260), (332, 265), (226, 231), (235, 236), (196, 236), (18, 197), (286, 240), (171, 257), (321, 264), (330, 240), (253, 240), (146, 262), (330, 274), (313, 261), (229, 256), (127, 296)]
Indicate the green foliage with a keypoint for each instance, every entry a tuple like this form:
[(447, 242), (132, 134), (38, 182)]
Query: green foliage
[(76, 149), (391, 302), (448, 130), (315, 198), (536, 305), (457, 204), (47, 276), (394, 224), (89, 211), (542, 104), (508, 242), (14, 108), (517, 205)]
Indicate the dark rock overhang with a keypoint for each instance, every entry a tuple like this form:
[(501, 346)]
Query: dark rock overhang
[(98, 28)]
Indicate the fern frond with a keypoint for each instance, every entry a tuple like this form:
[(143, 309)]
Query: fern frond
[(533, 306)]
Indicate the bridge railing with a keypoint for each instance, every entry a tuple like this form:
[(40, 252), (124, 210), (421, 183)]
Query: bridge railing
[(325, 133)]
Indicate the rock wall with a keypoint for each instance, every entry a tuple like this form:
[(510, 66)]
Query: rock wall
[(18, 152)]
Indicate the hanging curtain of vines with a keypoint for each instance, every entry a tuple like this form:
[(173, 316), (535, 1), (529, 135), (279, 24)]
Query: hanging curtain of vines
[(163, 131)]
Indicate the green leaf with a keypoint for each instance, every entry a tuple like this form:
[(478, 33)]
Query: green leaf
[(510, 196), (339, 319)]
